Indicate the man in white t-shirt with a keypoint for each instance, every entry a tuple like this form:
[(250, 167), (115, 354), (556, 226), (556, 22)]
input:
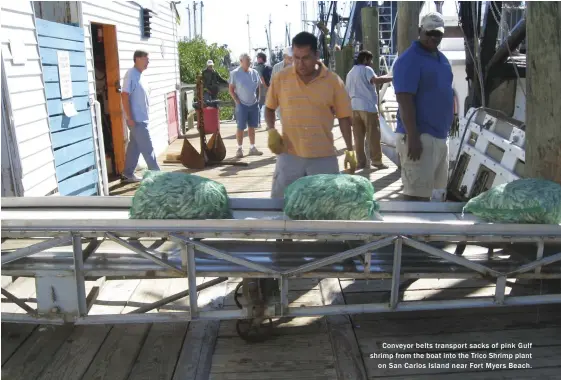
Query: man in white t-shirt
[(287, 61), (361, 85)]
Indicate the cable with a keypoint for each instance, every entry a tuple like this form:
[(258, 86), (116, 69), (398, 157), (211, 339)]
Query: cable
[(476, 67), (493, 9), (462, 144)]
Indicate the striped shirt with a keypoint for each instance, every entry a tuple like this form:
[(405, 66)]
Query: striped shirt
[(306, 110)]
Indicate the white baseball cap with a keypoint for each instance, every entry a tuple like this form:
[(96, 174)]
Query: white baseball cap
[(433, 21), (209, 62), (287, 51)]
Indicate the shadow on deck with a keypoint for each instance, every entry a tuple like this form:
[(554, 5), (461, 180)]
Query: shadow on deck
[(255, 180)]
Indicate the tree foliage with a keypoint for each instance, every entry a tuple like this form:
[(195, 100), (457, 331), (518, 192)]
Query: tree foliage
[(193, 56)]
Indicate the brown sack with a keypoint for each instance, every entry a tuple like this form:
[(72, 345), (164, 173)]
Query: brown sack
[(216, 148), (190, 158)]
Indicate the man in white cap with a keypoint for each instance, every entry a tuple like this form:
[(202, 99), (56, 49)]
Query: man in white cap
[(286, 62), (422, 78), (211, 81)]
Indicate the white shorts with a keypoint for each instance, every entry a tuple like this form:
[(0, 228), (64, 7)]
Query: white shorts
[(430, 173)]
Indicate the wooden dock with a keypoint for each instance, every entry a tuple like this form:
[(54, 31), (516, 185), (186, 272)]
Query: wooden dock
[(337, 347), (255, 180)]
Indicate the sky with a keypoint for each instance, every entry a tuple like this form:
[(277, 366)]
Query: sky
[(225, 21)]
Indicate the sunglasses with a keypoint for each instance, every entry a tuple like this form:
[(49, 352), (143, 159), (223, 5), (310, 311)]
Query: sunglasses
[(434, 33)]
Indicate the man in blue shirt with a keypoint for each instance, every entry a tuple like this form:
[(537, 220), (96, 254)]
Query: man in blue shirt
[(136, 103), (422, 78)]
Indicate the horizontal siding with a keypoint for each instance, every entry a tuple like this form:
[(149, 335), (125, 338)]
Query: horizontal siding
[(27, 99), (163, 72)]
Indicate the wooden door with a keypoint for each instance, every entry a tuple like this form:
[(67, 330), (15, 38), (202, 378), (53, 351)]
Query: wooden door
[(63, 59), (173, 123), (113, 76)]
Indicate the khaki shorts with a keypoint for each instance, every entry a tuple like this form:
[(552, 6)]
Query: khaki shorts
[(430, 173), (290, 168)]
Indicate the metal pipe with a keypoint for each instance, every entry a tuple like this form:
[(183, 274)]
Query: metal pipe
[(450, 257), (144, 254), (516, 37), (35, 248), (223, 255), (263, 204), (79, 274), (500, 290), (539, 255), (91, 248), (158, 317), (192, 279), (356, 230), (396, 271), (18, 302), (340, 256), (100, 155), (28, 318), (284, 295), (177, 296), (538, 263), (421, 305)]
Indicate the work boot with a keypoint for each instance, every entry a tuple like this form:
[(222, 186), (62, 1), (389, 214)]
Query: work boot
[(239, 153), (254, 152)]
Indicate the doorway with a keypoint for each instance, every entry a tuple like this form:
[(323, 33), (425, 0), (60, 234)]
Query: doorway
[(108, 94)]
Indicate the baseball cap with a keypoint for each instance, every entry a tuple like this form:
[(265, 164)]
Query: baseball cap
[(287, 51), (209, 62), (432, 21)]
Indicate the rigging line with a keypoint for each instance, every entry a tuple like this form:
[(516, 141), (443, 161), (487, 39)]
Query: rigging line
[(509, 32), (467, 45), (476, 23)]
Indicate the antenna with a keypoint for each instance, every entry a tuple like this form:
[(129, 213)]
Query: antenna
[(189, 21), (248, 35), (202, 19), (195, 19), (270, 40)]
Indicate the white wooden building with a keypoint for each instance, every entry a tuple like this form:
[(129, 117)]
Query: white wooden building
[(53, 142)]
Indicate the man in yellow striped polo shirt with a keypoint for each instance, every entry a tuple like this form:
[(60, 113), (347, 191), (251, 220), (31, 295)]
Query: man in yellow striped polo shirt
[(308, 95)]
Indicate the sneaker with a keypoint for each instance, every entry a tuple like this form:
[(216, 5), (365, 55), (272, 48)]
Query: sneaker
[(239, 153), (132, 179), (254, 152)]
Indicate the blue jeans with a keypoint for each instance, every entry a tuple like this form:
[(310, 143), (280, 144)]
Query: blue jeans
[(140, 143), (247, 116)]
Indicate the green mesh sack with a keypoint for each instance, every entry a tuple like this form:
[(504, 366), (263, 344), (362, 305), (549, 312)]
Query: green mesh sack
[(164, 195), (330, 197), (534, 201)]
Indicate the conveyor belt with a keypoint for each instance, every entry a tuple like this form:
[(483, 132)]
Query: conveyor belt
[(264, 222), (79, 238)]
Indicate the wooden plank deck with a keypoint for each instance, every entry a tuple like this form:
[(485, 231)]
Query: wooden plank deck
[(338, 347), (255, 180)]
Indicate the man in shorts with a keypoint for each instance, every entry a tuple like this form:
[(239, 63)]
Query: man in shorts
[(244, 89), (422, 78)]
